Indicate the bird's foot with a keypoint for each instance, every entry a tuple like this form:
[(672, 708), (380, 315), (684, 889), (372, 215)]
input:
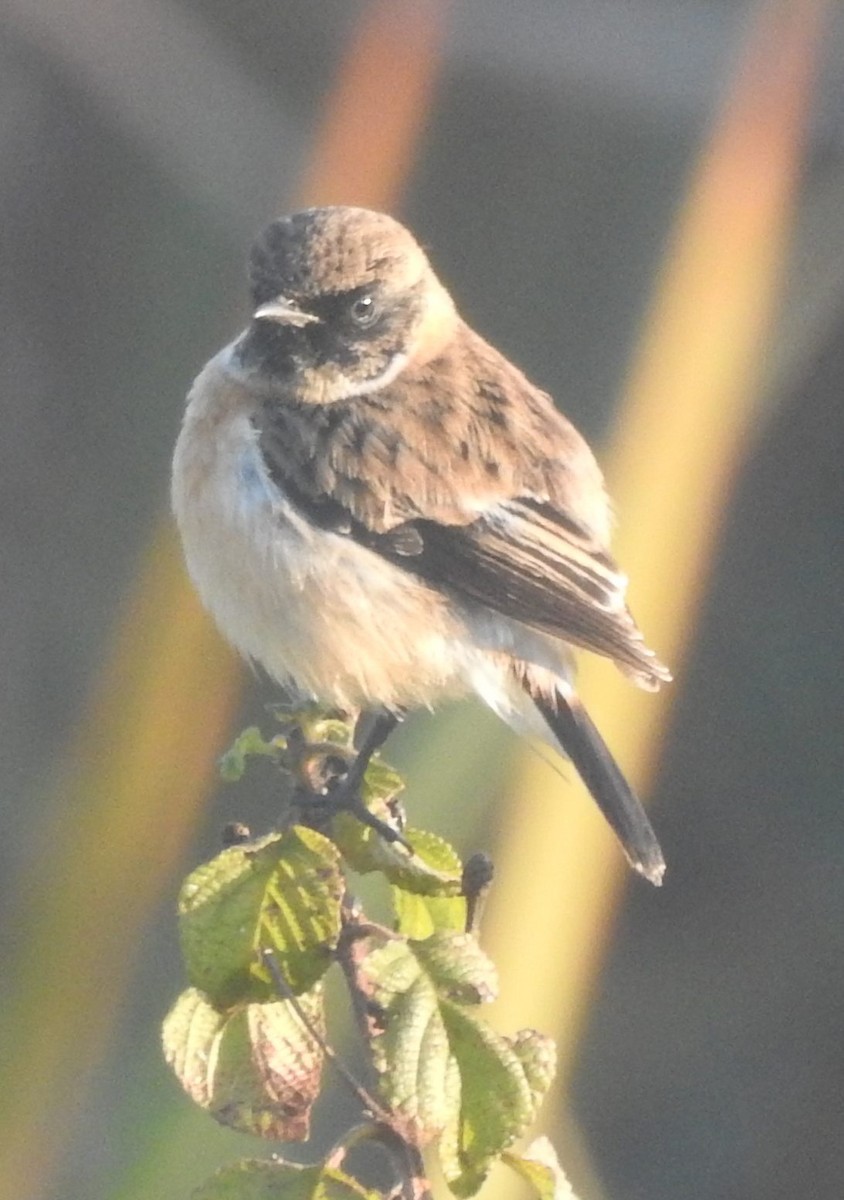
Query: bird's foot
[(344, 796), (331, 778)]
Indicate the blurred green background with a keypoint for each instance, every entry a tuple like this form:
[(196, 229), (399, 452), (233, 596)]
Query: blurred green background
[(544, 155)]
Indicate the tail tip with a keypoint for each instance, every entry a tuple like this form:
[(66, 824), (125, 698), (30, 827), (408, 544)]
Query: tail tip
[(653, 869)]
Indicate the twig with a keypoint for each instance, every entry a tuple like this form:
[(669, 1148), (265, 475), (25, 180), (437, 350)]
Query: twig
[(405, 1158), (368, 1102), (384, 1129), (349, 954)]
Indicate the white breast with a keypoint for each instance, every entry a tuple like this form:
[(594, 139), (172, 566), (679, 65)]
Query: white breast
[(312, 607)]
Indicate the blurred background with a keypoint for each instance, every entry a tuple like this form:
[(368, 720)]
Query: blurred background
[(642, 203)]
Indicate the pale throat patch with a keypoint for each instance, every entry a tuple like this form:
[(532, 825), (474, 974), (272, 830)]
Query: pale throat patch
[(390, 373)]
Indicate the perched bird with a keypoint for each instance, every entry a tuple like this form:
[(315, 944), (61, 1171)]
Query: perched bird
[(382, 511)]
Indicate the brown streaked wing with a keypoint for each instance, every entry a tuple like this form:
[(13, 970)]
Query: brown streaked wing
[(530, 563)]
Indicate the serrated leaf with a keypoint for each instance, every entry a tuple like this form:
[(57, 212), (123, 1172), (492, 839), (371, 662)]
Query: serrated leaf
[(255, 1069), (434, 869), (538, 1055), (362, 847), (381, 783), (415, 984), (497, 1102), (504, 1083), (263, 1179), (318, 726), (281, 893), (459, 968), (268, 1070), (417, 1073), (540, 1167), (188, 1035), (426, 891)]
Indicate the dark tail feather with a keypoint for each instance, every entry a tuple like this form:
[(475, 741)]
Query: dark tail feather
[(583, 744)]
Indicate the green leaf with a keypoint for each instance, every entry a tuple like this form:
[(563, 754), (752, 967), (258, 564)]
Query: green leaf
[(283, 893), (458, 967), (434, 870), (539, 1167), (314, 724), (497, 1101), (426, 890), (262, 1179), (418, 1075), (248, 743), (188, 1034), (363, 847), (381, 783), (538, 1055), (426, 887), (418, 917), (256, 1069), (316, 729), (416, 985)]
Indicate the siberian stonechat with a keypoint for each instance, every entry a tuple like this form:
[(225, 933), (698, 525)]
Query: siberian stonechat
[(382, 511)]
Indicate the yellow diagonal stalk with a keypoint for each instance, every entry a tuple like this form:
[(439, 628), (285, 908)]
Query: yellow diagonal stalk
[(145, 755), (681, 430), (377, 110), (129, 802)]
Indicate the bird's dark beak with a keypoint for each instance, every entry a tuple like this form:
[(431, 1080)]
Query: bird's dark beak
[(285, 311)]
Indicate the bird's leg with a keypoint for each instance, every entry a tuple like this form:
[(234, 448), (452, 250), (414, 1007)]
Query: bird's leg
[(346, 792), (371, 732)]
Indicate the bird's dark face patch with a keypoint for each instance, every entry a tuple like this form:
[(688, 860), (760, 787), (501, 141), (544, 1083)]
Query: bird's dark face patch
[(362, 328), (358, 333)]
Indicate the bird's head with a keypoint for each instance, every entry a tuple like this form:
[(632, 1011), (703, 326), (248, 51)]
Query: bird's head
[(344, 299)]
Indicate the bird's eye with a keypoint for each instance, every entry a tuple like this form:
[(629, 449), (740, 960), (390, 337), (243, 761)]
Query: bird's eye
[(363, 310)]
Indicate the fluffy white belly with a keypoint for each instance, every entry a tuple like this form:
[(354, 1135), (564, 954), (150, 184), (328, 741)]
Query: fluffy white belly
[(312, 607)]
